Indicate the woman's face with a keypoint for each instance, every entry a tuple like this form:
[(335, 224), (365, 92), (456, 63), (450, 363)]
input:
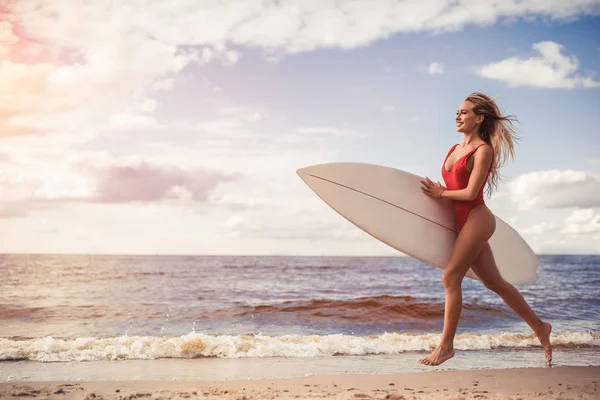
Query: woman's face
[(466, 119)]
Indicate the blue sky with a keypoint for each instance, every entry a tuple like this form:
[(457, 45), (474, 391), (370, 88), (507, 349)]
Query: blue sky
[(178, 128)]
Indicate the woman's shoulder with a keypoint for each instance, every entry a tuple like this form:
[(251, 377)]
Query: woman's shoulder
[(485, 148), (484, 152)]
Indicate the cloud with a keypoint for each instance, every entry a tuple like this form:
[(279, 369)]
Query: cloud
[(77, 63), (556, 189), (145, 182), (6, 33), (127, 121), (435, 68), (582, 222), (236, 221), (20, 209), (283, 217), (122, 183), (241, 202), (233, 122), (101, 77), (20, 89), (538, 229), (285, 228), (325, 130), (297, 26), (388, 108), (551, 69)]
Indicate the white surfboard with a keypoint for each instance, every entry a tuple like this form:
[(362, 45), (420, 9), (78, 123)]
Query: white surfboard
[(389, 205)]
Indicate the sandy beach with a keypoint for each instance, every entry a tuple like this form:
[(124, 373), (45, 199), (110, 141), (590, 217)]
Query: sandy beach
[(523, 383)]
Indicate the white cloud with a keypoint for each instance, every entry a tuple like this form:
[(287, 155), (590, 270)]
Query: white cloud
[(291, 139), (148, 106), (307, 25), (289, 227), (6, 33), (19, 93), (538, 229), (230, 128), (162, 84), (100, 57), (243, 114), (326, 130), (96, 74), (239, 202), (228, 123), (10, 209), (48, 97), (125, 121), (580, 216), (435, 68), (551, 69), (231, 57), (236, 221), (388, 108), (556, 189), (582, 222), (7, 38), (179, 192)]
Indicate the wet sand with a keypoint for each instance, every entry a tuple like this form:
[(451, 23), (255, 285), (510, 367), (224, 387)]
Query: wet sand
[(521, 383)]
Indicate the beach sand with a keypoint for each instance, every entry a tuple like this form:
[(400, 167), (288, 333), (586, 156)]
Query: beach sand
[(518, 383)]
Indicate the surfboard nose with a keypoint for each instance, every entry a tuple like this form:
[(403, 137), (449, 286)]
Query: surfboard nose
[(302, 171), (309, 170)]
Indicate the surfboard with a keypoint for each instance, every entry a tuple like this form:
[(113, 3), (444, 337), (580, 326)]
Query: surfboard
[(389, 205)]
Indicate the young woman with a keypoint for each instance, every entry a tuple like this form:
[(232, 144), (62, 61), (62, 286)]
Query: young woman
[(468, 167)]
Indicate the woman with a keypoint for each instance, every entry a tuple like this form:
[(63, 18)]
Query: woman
[(488, 140)]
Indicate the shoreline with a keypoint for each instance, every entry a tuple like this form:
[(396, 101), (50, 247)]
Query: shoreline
[(520, 383), (230, 369)]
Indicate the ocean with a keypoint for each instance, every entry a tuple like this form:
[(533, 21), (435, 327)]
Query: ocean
[(73, 309)]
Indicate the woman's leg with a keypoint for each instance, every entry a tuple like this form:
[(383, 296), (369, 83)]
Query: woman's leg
[(478, 228), (486, 270)]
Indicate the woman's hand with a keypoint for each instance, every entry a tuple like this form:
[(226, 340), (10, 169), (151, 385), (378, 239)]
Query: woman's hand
[(431, 188)]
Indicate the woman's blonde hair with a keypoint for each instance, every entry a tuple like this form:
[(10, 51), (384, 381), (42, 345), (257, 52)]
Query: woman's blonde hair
[(497, 131)]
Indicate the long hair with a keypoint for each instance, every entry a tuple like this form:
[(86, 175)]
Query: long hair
[(497, 131)]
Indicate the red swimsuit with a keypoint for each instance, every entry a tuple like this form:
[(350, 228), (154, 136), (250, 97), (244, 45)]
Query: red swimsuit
[(458, 178)]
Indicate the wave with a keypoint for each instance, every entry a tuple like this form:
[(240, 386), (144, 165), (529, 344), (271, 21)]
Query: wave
[(362, 310), (196, 345), (367, 310)]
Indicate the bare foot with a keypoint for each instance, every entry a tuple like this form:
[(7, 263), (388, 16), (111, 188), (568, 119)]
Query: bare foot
[(544, 338), (438, 356)]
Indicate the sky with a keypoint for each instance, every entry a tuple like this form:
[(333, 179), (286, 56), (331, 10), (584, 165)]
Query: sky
[(158, 127)]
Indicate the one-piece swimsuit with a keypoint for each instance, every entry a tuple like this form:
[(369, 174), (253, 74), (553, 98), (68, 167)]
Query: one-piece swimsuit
[(458, 178)]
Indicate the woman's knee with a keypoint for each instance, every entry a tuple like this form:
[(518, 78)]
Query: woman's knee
[(451, 278)]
